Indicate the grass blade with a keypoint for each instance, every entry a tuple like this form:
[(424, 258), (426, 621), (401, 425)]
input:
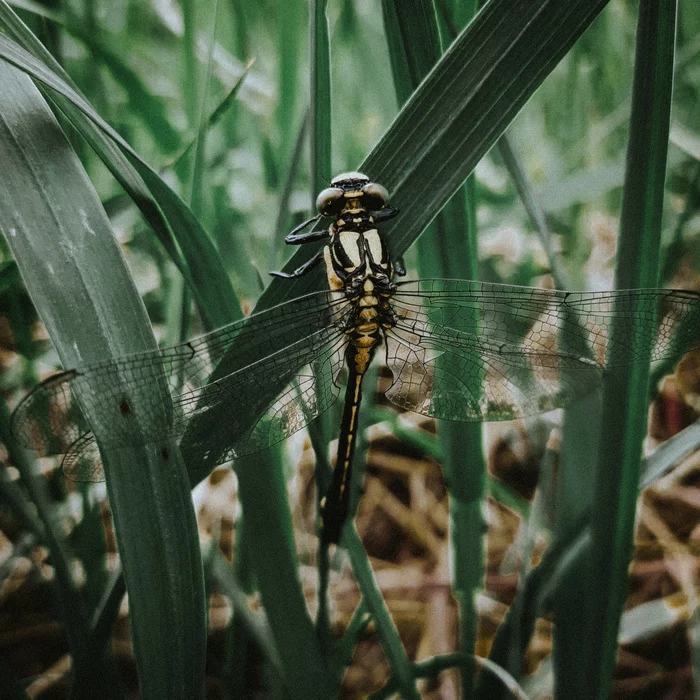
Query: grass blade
[(625, 398), (278, 578), (388, 634), (320, 116), (62, 242), (320, 132), (458, 113)]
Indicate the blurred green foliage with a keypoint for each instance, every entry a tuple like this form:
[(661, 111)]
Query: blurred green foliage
[(157, 72)]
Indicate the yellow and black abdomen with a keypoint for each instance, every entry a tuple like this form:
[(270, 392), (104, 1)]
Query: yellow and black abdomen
[(364, 337)]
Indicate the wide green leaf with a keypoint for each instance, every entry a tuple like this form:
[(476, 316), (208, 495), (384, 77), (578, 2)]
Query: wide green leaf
[(61, 239)]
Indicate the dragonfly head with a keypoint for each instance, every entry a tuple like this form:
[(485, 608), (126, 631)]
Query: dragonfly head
[(351, 193)]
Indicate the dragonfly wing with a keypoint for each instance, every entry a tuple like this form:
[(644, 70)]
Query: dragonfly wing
[(226, 350), (49, 419), (457, 376), (234, 416), (650, 324), (466, 350), (119, 395), (82, 462)]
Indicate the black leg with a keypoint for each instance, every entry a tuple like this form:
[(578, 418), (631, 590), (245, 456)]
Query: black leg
[(385, 214), (301, 271), (399, 267), (296, 238)]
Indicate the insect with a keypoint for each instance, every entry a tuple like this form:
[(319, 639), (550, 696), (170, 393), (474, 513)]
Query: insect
[(456, 349)]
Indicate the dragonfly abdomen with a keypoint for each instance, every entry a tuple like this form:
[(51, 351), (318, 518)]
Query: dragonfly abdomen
[(365, 335), (365, 331), (335, 505)]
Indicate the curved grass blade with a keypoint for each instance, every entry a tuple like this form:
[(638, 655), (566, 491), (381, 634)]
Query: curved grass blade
[(431, 668), (278, 578), (391, 642), (458, 113), (62, 242), (145, 106), (215, 295), (320, 121)]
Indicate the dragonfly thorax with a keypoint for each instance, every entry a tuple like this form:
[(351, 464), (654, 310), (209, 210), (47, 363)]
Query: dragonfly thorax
[(353, 256)]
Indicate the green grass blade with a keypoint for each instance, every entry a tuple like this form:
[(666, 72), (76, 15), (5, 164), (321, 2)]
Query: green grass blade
[(466, 102), (263, 492), (413, 41), (256, 624), (142, 103), (320, 115), (625, 401), (62, 242), (432, 667), (574, 494), (388, 634), (219, 112), (533, 207), (107, 610), (191, 86), (320, 137), (458, 113), (353, 633), (291, 18)]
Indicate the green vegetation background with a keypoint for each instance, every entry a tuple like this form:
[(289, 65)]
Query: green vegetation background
[(244, 149)]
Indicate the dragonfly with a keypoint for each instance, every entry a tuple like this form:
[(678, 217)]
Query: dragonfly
[(456, 349)]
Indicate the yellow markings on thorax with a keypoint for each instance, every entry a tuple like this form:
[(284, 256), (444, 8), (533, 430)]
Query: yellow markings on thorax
[(350, 242), (335, 284)]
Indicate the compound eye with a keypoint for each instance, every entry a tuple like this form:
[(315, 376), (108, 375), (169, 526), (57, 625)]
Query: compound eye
[(375, 197), (330, 201)]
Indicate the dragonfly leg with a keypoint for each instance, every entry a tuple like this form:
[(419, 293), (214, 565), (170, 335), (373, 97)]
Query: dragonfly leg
[(385, 214), (296, 238), (302, 270)]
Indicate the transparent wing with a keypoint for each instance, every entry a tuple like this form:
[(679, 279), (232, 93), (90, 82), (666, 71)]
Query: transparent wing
[(51, 419), (82, 461), (466, 351), (207, 441)]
